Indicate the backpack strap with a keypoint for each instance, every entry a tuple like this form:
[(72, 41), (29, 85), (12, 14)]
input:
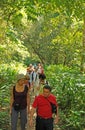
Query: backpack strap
[(53, 106)]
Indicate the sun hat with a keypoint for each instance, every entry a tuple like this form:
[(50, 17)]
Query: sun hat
[(20, 76), (27, 77)]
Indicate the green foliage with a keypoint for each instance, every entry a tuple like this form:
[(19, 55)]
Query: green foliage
[(7, 78), (51, 30), (46, 28), (4, 120), (54, 42), (32, 60), (69, 87)]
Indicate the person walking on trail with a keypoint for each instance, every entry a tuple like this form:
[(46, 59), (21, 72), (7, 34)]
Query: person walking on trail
[(19, 103), (35, 81), (40, 68), (30, 73), (42, 82), (42, 106)]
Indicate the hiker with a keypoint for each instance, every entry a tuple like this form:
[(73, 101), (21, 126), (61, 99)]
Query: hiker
[(42, 82), (35, 80), (39, 86), (30, 73), (27, 81), (42, 106), (19, 102), (40, 68)]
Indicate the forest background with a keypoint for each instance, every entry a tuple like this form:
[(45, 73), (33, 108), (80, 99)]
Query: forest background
[(51, 32)]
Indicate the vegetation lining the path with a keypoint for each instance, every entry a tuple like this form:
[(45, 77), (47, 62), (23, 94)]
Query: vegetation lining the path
[(53, 32), (68, 85)]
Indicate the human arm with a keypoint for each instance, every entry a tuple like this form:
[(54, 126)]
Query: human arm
[(57, 117), (28, 102)]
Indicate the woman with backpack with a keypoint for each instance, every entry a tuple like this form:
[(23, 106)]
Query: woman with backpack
[(19, 102)]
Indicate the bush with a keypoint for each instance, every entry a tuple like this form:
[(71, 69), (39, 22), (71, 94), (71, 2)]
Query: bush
[(68, 85), (4, 120), (7, 77)]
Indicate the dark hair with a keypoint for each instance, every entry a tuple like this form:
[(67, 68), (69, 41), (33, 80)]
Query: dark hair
[(42, 76), (47, 87)]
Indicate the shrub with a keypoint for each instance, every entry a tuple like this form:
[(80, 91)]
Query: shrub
[(68, 85)]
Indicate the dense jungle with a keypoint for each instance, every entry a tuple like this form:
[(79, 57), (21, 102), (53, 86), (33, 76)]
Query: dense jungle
[(51, 32)]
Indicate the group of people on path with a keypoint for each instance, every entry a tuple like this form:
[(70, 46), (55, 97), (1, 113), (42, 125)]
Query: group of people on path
[(37, 77), (42, 105)]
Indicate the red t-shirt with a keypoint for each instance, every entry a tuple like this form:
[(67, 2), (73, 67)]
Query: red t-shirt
[(43, 105)]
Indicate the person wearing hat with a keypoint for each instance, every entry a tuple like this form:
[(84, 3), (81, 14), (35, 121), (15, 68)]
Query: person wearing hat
[(19, 102), (27, 81)]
